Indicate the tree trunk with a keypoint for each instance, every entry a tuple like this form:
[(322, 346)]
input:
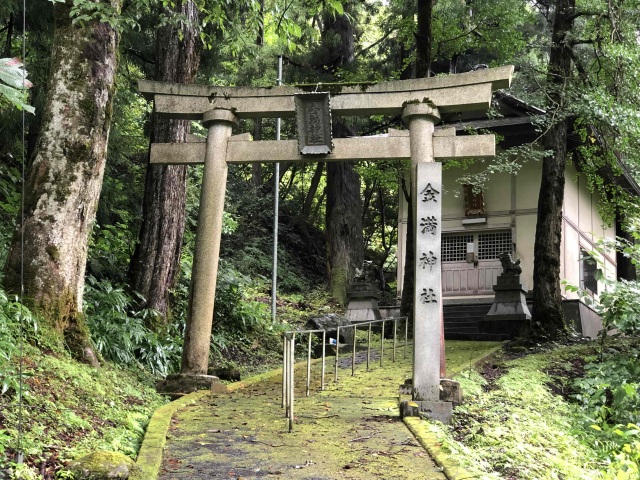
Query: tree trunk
[(155, 263), (548, 319), (424, 39), (423, 67), (65, 177), (345, 249), (256, 167), (7, 47), (408, 284), (344, 227), (313, 189)]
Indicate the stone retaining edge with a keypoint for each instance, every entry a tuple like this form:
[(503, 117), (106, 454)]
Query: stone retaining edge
[(450, 466), (149, 459), (428, 440)]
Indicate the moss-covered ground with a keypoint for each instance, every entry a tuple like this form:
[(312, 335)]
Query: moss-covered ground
[(70, 409), (350, 430), (520, 421)]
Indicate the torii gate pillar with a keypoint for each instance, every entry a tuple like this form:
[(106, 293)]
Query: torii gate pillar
[(195, 354), (426, 182)]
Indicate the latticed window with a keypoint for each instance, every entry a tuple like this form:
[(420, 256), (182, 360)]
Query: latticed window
[(454, 247), (491, 245), (588, 272)]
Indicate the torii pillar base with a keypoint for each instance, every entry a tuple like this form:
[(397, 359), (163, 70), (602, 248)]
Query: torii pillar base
[(181, 384), (427, 410)]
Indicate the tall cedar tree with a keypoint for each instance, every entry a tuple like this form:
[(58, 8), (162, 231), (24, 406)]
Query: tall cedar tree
[(345, 247), (421, 69), (547, 318), (155, 264), (65, 176)]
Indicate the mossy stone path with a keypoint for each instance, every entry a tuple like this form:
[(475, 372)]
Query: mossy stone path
[(349, 431)]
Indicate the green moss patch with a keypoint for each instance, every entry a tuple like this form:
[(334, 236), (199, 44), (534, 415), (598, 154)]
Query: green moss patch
[(71, 409), (350, 430)]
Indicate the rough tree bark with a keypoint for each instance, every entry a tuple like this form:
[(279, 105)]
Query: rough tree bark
[(424, 39), (65, 177), (547, 318), (345, 250), (345, 246), (154, 267)]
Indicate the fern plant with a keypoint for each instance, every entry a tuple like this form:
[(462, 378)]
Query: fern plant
[(14, 83)]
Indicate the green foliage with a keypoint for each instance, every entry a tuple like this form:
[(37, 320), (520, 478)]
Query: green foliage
[(14, 83), (516, 426), (17, 325), (609, 396), (72, 408), (508, 160), (114, 235), (124, 337), (9, 205), (235, 311)]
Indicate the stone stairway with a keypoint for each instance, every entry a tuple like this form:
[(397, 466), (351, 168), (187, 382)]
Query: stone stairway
[(461, 322)]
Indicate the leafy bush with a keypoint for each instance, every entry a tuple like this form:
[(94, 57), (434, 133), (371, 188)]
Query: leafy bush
[(14, 319), (609, 392), (609, 396), (9, 203), (121, 336)]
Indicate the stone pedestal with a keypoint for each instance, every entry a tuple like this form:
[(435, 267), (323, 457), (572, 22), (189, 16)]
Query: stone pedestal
[(440, 410), (181, 384), (363, 302), (509, 313)]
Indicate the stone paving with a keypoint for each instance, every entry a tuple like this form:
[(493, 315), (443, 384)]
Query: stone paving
[(351, 430)]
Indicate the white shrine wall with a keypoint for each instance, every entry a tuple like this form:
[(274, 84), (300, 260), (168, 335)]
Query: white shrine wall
[(511, 203)]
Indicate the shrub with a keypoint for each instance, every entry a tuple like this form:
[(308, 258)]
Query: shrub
[(15, 321), (121, 335)]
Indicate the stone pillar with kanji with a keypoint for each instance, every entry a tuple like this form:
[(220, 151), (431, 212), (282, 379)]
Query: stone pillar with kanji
[(426, 196)]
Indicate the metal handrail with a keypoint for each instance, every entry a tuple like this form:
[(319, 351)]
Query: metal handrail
[(288, 363)]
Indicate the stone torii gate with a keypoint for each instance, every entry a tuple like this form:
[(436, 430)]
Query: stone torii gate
[(421, 102)]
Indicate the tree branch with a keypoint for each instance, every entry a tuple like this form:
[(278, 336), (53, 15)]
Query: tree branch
[(139, 54), (377, 42), (586, 13)]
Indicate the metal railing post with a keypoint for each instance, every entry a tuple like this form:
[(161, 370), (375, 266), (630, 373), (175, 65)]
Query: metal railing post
[(309, 364), (284, 371), (324, 346), (368, 346), (406, 335), (335, 370), (382, 344), (353, 355), (395, 327), (291, 380)]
